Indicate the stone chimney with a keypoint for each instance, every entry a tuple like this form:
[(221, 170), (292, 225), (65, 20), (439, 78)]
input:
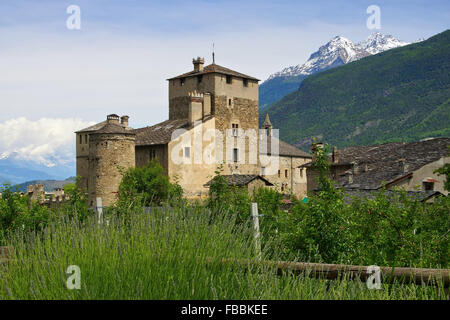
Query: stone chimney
[(124, 121), (355, 168), (267, 125), (335, 155), (112, 119), (195, 107), (198, 64), (404, 167)]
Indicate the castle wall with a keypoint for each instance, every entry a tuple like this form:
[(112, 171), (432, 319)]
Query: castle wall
[(145, 153), (108, 153), (290, 178), (193, 172), (244, 113), (82, 160)]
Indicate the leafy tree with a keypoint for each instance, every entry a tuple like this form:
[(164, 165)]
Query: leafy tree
[(445, 170), (148, 185)]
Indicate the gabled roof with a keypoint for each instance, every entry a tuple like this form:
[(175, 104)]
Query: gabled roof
[(113, 128), (240, 180), (285, 149), (381, 163), (214, 68), (160, 133)]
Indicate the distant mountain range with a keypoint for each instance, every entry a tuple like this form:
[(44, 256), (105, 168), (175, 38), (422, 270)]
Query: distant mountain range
[(338, 51), (15, 170), (401, 94), (49, 185)]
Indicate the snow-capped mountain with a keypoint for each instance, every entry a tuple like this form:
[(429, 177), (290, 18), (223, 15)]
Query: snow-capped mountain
[(339, 51), (377, 43)]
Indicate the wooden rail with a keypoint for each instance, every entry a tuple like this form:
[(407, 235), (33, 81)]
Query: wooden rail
[(338, 271)]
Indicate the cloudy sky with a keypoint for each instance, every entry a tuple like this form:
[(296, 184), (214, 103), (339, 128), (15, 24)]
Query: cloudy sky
[(54, 80)]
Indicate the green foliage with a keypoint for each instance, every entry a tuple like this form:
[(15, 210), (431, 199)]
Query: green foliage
[(169, 254), (226, 199), (402, 94), (445, 170), (76, 205), (149, 186), (16, 213)]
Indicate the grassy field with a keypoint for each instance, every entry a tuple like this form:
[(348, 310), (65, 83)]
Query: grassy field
[(163, 255)]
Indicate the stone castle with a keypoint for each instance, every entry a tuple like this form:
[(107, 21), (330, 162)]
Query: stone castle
[(208, 99)]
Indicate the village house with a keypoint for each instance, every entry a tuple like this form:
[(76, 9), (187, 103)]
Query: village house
[(213, 120), (410, 166)]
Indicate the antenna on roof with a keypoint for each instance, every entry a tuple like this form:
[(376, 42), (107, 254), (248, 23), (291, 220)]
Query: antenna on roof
[(214, 60)]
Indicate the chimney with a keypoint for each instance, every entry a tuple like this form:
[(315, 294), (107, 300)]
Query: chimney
[(198, 64), (124, 121), (404, 167), (335, 155), (195, 107), (355, 168), (112, 119)]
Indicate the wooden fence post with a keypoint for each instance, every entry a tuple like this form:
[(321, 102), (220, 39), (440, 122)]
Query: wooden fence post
[(99, 209), (255, 219)]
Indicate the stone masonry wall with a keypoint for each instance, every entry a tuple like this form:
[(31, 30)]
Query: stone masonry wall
[(107, 154)]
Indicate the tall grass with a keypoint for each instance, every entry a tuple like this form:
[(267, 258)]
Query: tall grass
[(164, 254)]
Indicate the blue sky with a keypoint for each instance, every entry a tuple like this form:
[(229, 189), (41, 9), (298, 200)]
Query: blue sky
[(119, 60)]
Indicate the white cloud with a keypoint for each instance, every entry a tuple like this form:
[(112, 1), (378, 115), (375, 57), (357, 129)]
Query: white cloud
[(47, 141)]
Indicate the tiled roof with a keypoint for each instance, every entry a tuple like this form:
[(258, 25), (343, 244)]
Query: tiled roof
[(285, 149), (160, 133), (381, 163), (214, 68), (240, 180)]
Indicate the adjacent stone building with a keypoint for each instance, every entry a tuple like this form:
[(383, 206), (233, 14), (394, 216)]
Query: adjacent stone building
[(406, 165), (213, 121)]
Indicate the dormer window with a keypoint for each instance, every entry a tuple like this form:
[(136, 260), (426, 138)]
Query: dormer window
[(182, 81), (229, 79)]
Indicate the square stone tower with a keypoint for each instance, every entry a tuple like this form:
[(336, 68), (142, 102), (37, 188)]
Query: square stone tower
[(234, 105)]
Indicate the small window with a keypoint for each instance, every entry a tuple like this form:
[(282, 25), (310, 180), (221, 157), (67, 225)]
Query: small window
[(182, 81), (229, 79), (187, 152), (199, 79), (428, 186), (279, 173), (152, 154), (85, 138), (285, 173), (81, 139), (229, 102), (301, 172), (235, 155), (235, 129), (245, 82)]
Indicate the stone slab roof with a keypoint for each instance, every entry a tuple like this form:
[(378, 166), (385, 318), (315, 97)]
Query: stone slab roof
[(99, 126), (160, 133), (113, 128), (240, 180), (285, 149), (380, 163), (371, 194), (214, 68)]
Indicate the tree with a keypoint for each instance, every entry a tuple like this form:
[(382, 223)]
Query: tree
[(148, 185)]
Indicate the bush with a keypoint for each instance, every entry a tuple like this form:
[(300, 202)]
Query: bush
[(149, 186)]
